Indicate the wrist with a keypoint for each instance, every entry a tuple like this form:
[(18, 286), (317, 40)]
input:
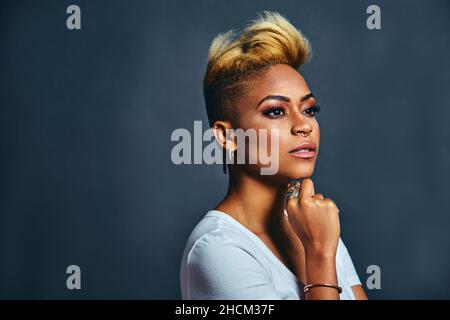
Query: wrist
[(320, 255), (320, 267)]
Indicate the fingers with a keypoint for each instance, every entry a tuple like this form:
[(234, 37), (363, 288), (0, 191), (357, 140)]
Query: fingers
[(318, 196), (330, 203), (327, 201), (306, 188)]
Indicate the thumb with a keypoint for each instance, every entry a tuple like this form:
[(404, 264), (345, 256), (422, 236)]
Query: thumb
[(306, 188)]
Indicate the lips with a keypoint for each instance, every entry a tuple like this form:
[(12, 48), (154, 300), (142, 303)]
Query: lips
[(306, 150)]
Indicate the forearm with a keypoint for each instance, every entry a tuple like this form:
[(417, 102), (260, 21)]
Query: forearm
[(321, 269)]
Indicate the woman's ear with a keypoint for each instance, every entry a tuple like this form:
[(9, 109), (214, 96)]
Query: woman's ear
[(224, 134)]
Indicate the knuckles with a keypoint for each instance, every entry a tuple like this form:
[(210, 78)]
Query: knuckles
[(291, 205), (310, 205)]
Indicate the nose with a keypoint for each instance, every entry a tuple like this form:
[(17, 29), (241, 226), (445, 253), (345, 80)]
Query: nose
[(302, 127)]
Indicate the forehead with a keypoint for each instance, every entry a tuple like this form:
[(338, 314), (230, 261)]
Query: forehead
[(280, 79)]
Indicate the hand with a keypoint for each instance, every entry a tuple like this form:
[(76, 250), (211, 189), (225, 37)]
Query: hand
[(290, 244), (315, 220)]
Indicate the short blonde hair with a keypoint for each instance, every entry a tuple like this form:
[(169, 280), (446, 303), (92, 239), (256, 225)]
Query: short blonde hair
[(236, 57)]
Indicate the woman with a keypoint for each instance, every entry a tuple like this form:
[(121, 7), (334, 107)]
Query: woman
[(270, 237)]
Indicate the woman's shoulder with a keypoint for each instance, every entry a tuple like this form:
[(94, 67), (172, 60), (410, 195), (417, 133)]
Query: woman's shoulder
[(215, 229), (216, 246), (218, 237)]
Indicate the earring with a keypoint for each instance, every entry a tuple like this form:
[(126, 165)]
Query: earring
[(224, 161), (230, 155)]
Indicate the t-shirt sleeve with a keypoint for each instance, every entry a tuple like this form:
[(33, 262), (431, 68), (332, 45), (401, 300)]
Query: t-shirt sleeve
[(347, 264), (218, 268)]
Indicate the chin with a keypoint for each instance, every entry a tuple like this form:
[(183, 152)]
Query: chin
[(301, 176), (286, 171), (297, 171)]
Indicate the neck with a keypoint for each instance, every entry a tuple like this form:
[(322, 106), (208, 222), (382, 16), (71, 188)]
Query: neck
[(253, 201)]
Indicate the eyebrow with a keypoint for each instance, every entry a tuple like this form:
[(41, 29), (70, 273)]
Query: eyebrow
[(283, 98)]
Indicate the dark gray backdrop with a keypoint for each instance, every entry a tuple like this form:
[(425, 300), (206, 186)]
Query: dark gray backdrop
[(86, 116)]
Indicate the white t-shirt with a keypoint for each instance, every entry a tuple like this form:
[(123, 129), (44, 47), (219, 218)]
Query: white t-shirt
[(225, 260)]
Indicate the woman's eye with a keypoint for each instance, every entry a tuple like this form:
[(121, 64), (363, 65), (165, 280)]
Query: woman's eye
[(311, 111), (275, 112)]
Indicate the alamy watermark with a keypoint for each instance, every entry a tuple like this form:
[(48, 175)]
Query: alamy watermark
[(373, 21), (253, 146), (374, 280), (74, 280), (73, 22)]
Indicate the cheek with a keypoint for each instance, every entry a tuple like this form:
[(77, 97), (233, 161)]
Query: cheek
[(272, 136)]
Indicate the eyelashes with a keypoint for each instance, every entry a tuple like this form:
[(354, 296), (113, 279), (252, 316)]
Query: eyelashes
[(313, 110), (278, 112), (274, 112)]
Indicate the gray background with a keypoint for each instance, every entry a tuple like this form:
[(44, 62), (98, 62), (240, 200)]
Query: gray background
[(86, 116)]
